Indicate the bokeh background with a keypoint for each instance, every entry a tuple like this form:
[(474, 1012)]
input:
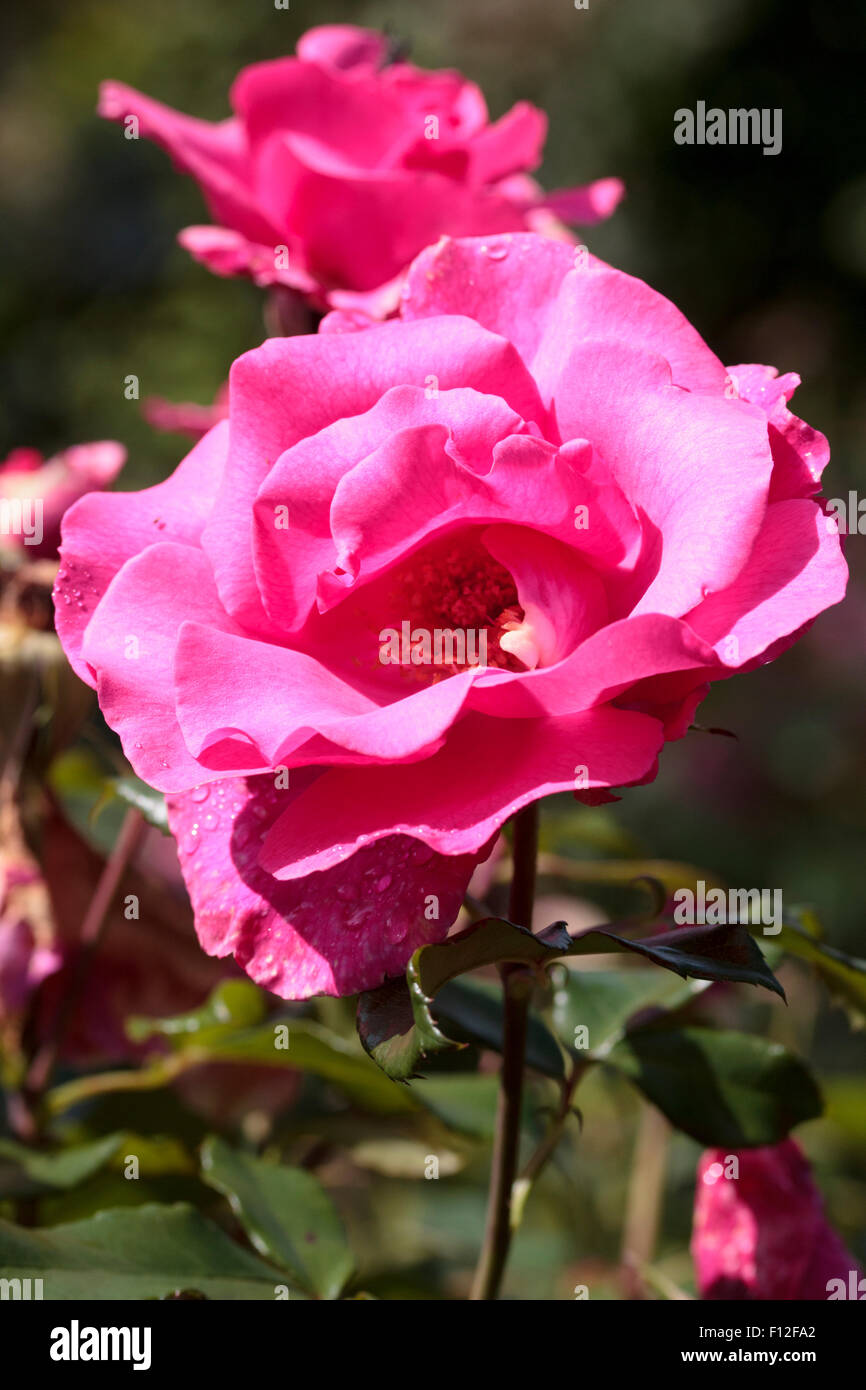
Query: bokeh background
[(766, 256)]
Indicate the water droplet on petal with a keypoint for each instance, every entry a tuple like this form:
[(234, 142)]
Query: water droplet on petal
[(497, 252)]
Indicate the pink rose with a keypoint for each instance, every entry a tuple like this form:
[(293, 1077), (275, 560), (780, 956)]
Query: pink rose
[(34, 493), (541, 465), (342, 163), (763, 1234)]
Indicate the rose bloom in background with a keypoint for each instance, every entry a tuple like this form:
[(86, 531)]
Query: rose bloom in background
[(42, 490), (541, 451), (342, 163), (763, 1234), (186, 417)]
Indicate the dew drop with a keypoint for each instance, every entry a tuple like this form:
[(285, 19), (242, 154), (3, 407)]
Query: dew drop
[(396, 931), (200, 793)]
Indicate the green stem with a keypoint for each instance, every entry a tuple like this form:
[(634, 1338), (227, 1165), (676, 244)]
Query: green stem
[(517, 990)]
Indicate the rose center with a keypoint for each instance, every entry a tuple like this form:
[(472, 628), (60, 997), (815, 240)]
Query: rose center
[(459, 608)]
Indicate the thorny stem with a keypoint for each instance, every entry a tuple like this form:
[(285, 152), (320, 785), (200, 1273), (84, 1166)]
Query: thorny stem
[(517, 990), (539, 1158)]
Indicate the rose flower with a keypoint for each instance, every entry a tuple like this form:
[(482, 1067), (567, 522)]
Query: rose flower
[(342, 163), (760, 1231), (540, 457)]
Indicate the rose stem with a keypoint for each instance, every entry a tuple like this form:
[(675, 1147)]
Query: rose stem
[(517, 989)]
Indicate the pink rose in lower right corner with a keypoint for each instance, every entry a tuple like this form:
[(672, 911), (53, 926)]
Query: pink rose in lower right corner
[(763, 1234)]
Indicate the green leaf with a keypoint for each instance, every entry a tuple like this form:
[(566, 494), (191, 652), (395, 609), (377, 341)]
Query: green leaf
[(27, 1172), (233, 1004), (145, 1252), (725, 952), (396, 1024), (311, 1048), (472, 1011), (286, 1213), (725, 1089), (78, 780), (405, 1158), (844, 975), (463, 1103), (603, 1001), (145, 799), (398, 1029), (95, 801), (231, 1026)]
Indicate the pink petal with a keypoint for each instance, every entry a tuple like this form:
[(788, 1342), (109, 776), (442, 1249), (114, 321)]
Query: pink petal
[(585, 206), (697, 466), (563, 600), (96, 464), (512, 144), (103, 530), (295, 697), (763, 1234), (342, 46), (352, 118), (546, 297), (800, 453), (214, 154), (130, 643), (339, 486), (795, 571), (228, 253), (291, 388), (329, 933), (609, 662), (454, 801)]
